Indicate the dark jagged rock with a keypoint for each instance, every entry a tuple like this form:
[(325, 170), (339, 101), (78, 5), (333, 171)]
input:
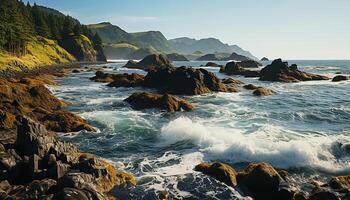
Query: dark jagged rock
[(340, 78), (220, 171), (249, 64), (176, 57), (261, 91), (119, 80), (262, 180), (184, 81), (212, 64), (127, 80), (151, 62), (264, 59), (233, 68), (166, 102), (250, 87), (279, 71)]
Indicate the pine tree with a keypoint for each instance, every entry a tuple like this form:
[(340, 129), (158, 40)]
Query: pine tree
[(41, 27)]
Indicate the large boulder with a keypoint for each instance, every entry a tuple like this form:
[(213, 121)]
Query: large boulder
[(261, 180), (151, 62), (127, 80), (249, 64), (261, 91), (184, 81), (166, 102), (220, 171), (340, 78), (279, 71), (102, 77), (234, 68)]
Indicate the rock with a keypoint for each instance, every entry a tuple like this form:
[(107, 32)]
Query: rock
[(73, 194), (261, 91), (231, 81), (261, 180), (64, 121), (341, 183), (264, 59), (237, 57), (184, 81), (7, 120), (176, 57), (127, 80), (340, 78), (212, 64), (102, 77), (279, 71), (220, 171), (164, 195), (249, 64), (166, 102), (75, 71), (324, 195), (151, 62), (250, 87), (233, 68), (5, 188)]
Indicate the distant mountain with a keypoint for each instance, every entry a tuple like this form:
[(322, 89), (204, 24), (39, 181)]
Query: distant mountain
[(187, 45), (111, 34)]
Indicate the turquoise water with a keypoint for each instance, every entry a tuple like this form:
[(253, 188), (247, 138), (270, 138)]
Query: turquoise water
[(298, 129)]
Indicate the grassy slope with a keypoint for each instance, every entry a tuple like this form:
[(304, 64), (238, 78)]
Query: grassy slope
[(41, 52)]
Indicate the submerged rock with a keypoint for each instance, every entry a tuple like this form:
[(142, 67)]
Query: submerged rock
[(279, 71), (184, 81), (261, 91), (233, 68), (340, 78), (151, 62), (220, 171), (166, 102)]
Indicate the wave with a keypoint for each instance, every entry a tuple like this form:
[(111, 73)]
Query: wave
[(282, 148)]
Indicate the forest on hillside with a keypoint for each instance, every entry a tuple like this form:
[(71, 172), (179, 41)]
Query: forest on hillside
[(19, 22)]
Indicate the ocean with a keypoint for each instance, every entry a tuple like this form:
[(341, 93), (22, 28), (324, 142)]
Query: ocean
[(299, 129)]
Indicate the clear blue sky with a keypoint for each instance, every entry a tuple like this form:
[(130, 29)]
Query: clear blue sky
[(291, 29)]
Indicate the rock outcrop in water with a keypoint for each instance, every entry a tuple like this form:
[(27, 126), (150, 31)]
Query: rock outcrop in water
[(279, 71), (176, 57), (119, 80), (249, 64), (212, 64), (234, 68), (340, 78), (170, 103), (28, 96), (38, 166), (261, 181), (184, 81), (261, 91), (151, 62)]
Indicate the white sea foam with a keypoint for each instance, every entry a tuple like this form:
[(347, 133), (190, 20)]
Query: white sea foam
[(270, 144)]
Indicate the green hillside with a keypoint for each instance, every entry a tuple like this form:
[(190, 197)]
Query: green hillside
[(32, 35)]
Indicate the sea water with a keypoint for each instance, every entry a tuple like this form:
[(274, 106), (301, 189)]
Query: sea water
[(299, 129)]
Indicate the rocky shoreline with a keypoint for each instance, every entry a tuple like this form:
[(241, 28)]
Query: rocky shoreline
[(34, 163)]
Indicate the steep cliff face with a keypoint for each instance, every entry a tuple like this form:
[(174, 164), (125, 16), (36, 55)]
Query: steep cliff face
[(40, 52), (80, 47)]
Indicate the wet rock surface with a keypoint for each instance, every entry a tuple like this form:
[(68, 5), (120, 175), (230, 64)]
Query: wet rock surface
[(170, 103), (28, 96), (262, 181), (234, 68), (279, 71), (42, 167), (261, 91), (340, 78), (249, 64)]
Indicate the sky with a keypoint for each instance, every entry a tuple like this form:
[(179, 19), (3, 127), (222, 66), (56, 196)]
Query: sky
[(288, 29)]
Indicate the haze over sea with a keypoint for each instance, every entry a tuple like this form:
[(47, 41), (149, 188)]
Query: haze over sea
[(300, 129)]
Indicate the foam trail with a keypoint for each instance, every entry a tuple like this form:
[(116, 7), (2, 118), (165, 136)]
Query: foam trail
[(267, 144)]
